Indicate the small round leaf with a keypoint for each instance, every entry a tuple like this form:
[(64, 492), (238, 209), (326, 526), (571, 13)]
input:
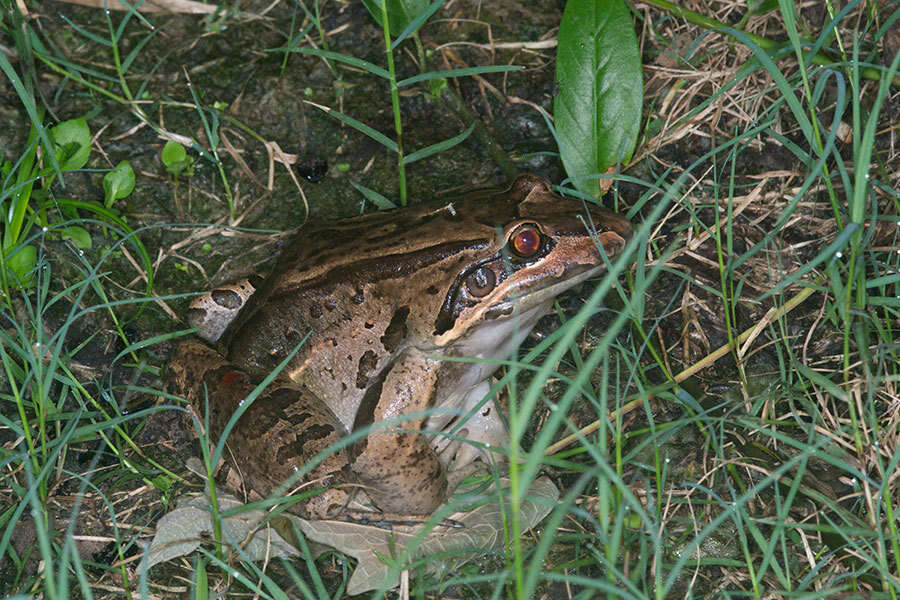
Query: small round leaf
[(173, 153), (72, 140), (119, 182)]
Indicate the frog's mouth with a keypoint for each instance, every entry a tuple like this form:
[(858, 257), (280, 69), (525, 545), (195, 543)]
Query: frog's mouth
[(543, 293)]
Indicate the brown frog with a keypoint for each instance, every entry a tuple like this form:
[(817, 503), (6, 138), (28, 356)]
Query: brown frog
[(374, 302)]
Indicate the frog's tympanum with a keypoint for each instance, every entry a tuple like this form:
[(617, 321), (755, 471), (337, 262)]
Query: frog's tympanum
[(374, 303)]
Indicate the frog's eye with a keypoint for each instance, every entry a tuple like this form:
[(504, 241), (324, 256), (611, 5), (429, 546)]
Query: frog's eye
[(525, 241), (481, 281)]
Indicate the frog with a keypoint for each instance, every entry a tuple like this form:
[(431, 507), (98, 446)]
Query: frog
[(391, 324)]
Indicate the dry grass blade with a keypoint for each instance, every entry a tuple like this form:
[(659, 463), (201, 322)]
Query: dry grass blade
[(188, 7)]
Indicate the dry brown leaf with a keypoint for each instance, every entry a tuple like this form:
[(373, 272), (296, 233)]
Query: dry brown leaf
[(465, 533), (477, 530)]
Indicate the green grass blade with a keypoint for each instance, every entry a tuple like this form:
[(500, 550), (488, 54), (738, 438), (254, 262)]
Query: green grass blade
[(359, 126), (439, 147), (863, 155), (457, 73), (374, 197), (342, 58), (416, 23), (31, 109)]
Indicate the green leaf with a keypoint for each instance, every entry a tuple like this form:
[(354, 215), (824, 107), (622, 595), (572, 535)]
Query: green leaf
[(598, 109), (374, 197), (118, 183), (400, 12), (417, 22), (359, 126), (758, 7), (350, 60), (72, 140), (20, 264), (172, 153), (78, 235), (439, 147), (457, 73), (176, 159)]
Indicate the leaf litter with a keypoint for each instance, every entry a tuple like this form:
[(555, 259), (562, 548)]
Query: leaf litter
[(462, 534)]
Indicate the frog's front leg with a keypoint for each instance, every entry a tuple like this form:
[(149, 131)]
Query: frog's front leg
[(479, 432), (400, 471)]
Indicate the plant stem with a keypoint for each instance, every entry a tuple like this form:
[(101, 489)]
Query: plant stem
[(395, 101)]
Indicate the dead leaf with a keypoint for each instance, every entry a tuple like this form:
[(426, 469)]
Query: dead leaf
[(463, 533), (481, 530), (181, 531)]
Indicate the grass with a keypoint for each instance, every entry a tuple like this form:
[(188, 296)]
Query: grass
[(720, 412)]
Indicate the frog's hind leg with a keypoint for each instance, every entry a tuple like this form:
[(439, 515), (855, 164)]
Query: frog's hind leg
[(284, 428)]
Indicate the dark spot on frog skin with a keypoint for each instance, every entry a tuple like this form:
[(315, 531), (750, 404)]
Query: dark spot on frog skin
[(312, 433), (367, 364), (432, 290), (365, 415), (226, 299), (283, 397), (315, 311), (369, 325), (396, 331), (256, 281)]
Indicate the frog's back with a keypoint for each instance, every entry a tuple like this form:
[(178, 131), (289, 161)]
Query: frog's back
[(353, 293)]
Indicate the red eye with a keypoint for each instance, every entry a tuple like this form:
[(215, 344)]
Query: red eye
[(481, 282), (526, 240)]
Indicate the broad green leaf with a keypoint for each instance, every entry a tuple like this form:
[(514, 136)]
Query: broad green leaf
[(400, 12), (118, 183), (176, 159), (598, 109), (72, 140), (21, 265), (417, 22)]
